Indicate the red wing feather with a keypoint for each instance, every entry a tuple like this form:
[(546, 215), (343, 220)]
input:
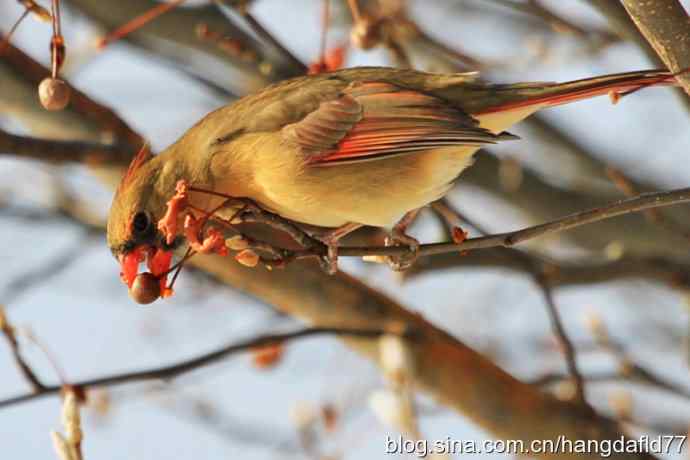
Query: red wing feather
[(377, 120)]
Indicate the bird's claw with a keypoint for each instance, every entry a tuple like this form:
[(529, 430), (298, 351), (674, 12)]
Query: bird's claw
[(406, 260), (329, 262)]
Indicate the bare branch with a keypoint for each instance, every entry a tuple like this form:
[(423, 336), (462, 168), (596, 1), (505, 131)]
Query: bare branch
[(56, 151), (268, 37), (175, 370), (539, 270), (564, 273), (29, 375), (508, 239), (564, 340)]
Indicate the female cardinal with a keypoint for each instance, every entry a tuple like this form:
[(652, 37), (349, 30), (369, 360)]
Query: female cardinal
[(362, 146)]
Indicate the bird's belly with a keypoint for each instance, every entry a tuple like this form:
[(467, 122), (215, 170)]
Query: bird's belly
[(377, 192), (373, 193)]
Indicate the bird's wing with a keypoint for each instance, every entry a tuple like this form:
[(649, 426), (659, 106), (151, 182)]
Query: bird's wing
[(375, 120)]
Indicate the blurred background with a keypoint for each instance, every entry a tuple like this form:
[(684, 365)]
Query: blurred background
[(623, 296)]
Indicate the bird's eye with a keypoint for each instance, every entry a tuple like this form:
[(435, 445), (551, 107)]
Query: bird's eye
[(141, 223)]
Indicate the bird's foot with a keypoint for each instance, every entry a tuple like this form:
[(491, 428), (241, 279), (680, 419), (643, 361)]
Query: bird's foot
[(399, 237), (213, 241), (406, 260), (329, 262), (168, 223)]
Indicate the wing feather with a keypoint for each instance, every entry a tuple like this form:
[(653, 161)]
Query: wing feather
[(374, 120)]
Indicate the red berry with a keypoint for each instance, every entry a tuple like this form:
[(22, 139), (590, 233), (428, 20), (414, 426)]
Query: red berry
[(145, 289)]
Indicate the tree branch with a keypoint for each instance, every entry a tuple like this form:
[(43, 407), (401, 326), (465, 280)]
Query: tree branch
[(63, 151), (178, 28), (8, 332), (620, 22), (261, 31), (565, 273), (666, 26), (508, 239), (175, 370)]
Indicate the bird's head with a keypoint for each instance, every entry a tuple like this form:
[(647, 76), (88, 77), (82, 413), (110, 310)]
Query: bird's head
[(132, 234)]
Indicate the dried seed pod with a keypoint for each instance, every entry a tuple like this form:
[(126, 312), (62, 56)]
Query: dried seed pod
[(267, 356), (145, 289), (53, 93), (248, 258), (237, 243), (459, 235)]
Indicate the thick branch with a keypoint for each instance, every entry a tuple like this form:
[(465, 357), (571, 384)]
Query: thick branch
[(666, 26), (268, 37), (565, 273), (174, 34), (620, 22), (63, 151)]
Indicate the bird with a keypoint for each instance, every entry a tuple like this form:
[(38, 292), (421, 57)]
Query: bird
[(364, 146)]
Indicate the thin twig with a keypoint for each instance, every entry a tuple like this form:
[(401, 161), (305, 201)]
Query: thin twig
[(315, 248), (539, 269), (654, 215), (46, 270), (437, 45), (14, 27), (138, 22), (325, 24), (175, 370), (556, 22), (29, 375), (561, 334), (508, 239), (629, 370)]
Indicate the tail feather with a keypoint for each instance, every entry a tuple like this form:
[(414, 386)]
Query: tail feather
[(509, 97)]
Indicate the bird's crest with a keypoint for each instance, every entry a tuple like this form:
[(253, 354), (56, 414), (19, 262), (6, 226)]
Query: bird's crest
[(137, 162)]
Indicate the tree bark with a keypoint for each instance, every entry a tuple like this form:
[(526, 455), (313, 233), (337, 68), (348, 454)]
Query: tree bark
[(666, 26)]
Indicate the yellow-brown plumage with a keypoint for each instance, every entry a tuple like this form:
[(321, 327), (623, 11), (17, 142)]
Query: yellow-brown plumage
[(360, 146)]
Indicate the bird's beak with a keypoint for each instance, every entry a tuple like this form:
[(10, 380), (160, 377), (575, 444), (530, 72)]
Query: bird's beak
[(129, 264), (157, 260)]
